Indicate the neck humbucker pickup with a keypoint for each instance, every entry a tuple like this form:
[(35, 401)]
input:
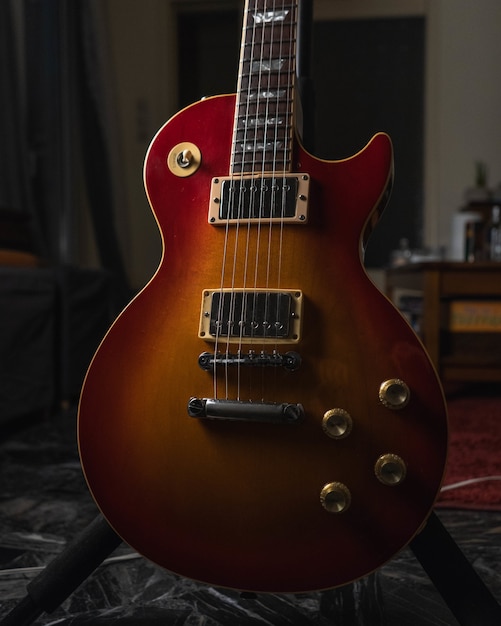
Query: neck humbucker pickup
[(260, 198)]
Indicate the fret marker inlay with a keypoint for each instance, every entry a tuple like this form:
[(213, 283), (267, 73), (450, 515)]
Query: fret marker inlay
[(267, 17), (268, 65), (264, 113), (265, 94)]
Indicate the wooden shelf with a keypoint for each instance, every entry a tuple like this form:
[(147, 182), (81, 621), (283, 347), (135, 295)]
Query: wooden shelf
[(458, 356)]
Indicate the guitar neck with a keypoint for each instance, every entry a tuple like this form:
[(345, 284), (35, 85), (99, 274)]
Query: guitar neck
[(264, 114)]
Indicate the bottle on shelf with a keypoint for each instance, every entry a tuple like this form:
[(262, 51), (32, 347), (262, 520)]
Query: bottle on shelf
[(402, 255), (494, 234)]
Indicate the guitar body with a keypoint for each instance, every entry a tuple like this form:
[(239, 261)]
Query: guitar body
[(237, 503)]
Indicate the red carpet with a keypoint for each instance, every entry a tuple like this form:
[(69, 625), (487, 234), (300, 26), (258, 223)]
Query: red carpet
[(474, 454)]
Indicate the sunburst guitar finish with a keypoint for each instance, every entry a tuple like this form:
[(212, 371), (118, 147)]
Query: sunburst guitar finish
[(260, 416)]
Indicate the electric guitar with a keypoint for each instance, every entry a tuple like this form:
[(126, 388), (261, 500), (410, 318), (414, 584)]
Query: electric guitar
[(260, 416)]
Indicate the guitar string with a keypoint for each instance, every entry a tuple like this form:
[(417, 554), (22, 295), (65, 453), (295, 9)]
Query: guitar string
[(252, 124), (262, 98), (279, 135), (251, 138), (291, 37), (261, 113), (286, 140), (252, 198), (243, 167), (240, 203), (266, 140), (248, 21), (269, 88), (287, 33), (230, 212)]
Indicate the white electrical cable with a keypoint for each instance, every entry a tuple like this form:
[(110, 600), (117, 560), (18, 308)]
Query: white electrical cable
[(469, 481)]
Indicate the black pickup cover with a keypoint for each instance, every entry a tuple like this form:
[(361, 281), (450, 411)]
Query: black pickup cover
[(250, 314)]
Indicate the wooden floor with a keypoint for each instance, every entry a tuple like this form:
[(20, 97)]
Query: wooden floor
[(44, 504)]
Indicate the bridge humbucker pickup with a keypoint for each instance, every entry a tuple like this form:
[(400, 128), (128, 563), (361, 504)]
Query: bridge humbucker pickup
[(266, 197), (251, 315)]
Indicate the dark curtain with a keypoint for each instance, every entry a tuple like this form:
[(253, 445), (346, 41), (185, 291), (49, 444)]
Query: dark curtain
[(16, 199), (98, 140), (55, 121), (57, 142), (374, 81)]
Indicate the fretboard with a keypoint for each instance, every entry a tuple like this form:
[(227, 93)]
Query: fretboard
[(263, 129)]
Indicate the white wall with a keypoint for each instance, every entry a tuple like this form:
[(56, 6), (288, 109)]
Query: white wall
[(463, 105)]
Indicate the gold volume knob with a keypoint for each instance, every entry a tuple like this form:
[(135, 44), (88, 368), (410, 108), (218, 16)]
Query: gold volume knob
[(394, 394), (335, 497), (337, 423), (390, 469)]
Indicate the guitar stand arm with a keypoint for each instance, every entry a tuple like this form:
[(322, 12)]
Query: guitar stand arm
[(64, 574), (448, 569), (462, 589)]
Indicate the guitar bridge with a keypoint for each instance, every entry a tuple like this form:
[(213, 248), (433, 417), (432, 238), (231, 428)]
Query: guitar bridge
[(289, 361), (251, 316)]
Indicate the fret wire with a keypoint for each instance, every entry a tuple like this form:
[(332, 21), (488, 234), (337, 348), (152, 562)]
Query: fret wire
[(287, 50), (288, 27), (290, 6), (288, 24), (259, 122), (282, 125), (265, 156), (274, 80), (248, 44), (261, 36), (246, 34), (267, 74), (279, 95), (256, 107)]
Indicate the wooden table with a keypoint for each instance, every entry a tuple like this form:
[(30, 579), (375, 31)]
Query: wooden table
[(458, 356)]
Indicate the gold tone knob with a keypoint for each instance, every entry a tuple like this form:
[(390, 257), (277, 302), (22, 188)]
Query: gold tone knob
[(337, 423), (335, 497), (394, 394), (390, 469), (184, 159)]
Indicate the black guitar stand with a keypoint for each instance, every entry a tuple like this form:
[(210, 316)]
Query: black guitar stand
[(65, 573), (453, 576), (462, 589)]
